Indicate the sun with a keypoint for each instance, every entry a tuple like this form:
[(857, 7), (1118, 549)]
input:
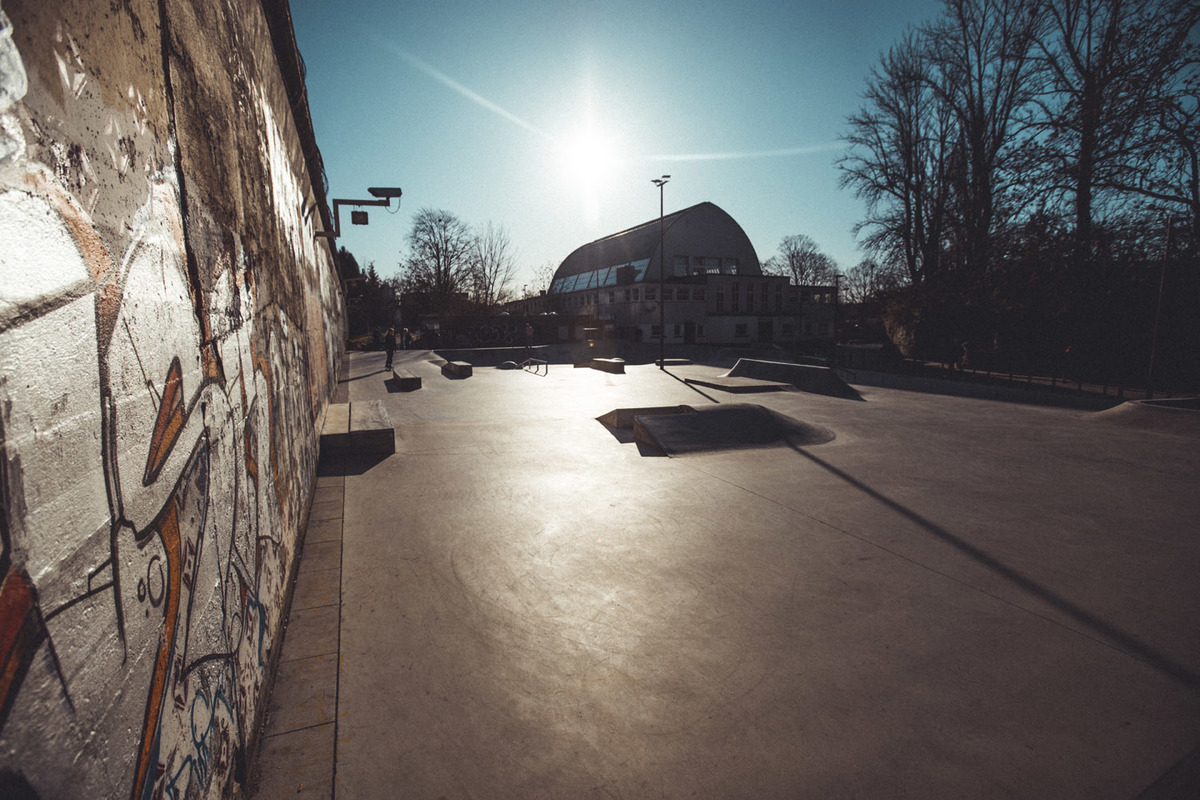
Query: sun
[(588, 157)]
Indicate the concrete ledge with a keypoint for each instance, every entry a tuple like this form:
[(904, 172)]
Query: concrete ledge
[(613, 365), (406, 380), (457, 369), (623, 418), (358, 428)]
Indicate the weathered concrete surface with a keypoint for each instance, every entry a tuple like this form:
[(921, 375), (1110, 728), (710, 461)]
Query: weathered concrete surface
[(953, 598), (170, 332)]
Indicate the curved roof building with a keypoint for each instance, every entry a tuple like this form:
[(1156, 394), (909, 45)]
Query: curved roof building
[(700, 240)]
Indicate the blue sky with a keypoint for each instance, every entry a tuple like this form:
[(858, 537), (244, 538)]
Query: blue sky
[(550, 119)]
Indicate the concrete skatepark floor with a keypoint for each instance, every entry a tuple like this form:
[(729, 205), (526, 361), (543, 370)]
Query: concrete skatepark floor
[(951, 598)]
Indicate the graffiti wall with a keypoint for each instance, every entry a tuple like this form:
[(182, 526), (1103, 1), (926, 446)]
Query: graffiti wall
[(170, 329)]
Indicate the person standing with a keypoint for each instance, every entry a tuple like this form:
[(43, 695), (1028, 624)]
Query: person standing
[(389, 345)]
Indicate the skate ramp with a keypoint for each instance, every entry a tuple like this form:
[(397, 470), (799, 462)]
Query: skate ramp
[(1169, 415), (684, 430), (805, 377)]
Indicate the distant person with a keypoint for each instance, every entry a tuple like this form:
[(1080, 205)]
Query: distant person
[(406, 339), (389, 344), (528, 337)]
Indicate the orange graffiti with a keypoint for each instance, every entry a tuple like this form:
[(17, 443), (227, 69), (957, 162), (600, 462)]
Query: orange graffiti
[(167, 526), (168, 425)]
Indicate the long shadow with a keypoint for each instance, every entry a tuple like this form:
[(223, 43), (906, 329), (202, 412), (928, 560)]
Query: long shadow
[(363, 376), (706, 396), (1123, 640)]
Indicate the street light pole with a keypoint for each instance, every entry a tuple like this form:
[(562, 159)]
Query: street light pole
[(662, 271)]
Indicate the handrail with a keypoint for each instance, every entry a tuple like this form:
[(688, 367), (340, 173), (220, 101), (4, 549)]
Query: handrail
[(536, 366)]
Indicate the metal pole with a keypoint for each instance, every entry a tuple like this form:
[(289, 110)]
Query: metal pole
[(662, 271), (1162, 278)]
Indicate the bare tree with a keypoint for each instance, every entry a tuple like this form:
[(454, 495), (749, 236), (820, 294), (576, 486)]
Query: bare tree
[(901, 151), (439, 259), (1168, 171), (1111, 66), (982, 50), (493, 265), (867, 281), (543, 275), (802, 261)]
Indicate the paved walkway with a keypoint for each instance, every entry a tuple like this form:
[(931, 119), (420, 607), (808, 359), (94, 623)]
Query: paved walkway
[(953, 598)]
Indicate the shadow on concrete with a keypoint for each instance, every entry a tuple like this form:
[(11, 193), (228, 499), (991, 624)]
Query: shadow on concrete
[(365, 375), (342, 466), (708, 397), (394, 386), (1093, 624)]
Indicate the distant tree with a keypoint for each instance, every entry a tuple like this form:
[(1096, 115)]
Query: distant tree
[(543, 275), (348, 264), (493, 265), (439, 259), (868, 281), (801, 260)]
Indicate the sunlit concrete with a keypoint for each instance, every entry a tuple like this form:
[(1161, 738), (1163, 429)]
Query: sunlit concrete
[(953, 598)]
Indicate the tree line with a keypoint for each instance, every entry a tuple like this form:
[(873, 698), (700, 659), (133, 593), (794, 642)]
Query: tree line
[(451, 266), (1031, 176)]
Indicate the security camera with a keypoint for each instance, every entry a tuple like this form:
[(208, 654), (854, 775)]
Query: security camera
[(385, 192)]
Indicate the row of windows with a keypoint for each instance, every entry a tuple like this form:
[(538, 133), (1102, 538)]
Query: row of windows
[(656, 331), (636, 294), (764, 297), (599, 278), (705, 265), (787, 329), (635, 271)]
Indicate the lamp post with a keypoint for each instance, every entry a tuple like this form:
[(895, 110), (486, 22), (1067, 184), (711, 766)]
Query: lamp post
[(662, 271)]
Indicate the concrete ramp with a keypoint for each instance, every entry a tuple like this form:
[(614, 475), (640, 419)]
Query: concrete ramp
[(1171, 415), (724, 427), (805, 377)]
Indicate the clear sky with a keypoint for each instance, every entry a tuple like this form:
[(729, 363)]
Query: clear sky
[(551, 118)]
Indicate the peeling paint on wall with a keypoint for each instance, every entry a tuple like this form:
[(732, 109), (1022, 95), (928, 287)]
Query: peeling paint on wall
[(160, 376)]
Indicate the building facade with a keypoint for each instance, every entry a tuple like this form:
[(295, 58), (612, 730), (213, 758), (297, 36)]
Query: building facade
[(712, 290)]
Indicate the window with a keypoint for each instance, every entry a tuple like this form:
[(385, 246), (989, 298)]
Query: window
[(720, 297), (627, 295), (698, 295), (749, 296), (636, 292), (651, 293), (681, 293), (612, 297), (730, 266), (739, 330), (655, 331), (681, 265), (735, 303)]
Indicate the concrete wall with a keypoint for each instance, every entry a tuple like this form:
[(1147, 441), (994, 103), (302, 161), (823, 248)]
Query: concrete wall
[(169, 335)]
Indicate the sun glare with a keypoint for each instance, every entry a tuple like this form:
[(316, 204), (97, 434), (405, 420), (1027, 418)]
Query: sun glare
[(588, 161)]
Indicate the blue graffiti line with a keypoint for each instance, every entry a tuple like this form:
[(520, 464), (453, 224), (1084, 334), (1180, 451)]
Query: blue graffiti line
[(197, 766)]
